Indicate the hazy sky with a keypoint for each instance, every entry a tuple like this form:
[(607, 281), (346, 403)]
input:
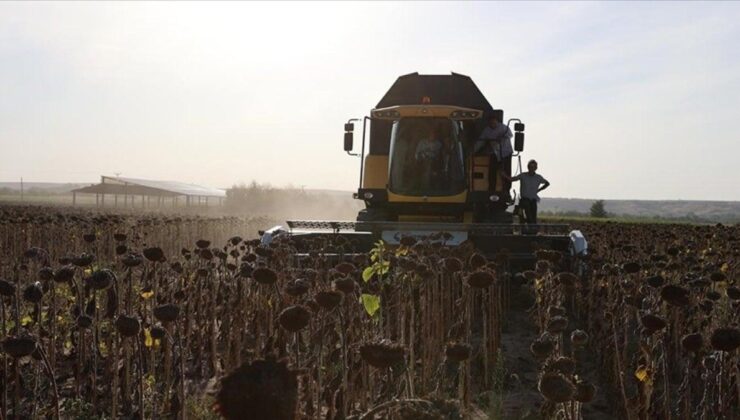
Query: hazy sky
[(621, 100)]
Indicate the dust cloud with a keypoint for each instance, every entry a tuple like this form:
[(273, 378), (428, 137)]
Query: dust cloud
[(291, 203)]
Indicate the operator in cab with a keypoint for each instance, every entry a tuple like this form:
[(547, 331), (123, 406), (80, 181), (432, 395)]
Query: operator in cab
[(429, 147)]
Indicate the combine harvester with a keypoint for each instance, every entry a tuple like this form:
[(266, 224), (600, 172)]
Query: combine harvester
[(457, 198)]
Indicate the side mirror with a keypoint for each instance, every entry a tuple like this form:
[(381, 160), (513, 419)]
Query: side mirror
[(519, 141), (519, 127), (348, 141)]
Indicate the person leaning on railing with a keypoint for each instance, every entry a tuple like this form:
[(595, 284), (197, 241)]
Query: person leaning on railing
[(495, 141)]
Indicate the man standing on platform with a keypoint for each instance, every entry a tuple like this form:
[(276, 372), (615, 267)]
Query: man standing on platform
[(531, 183)]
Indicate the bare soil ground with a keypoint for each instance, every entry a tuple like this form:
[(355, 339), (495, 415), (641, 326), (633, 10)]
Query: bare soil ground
[(521, 399)]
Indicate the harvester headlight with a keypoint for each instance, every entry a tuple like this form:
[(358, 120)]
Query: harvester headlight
[(368, 195), (463, 114), (386, 114), (493, 198)]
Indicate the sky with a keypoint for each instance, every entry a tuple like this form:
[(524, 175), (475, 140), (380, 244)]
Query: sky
[(621, 100)]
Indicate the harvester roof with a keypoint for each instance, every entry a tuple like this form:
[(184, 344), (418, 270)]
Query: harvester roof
[(454, 89)]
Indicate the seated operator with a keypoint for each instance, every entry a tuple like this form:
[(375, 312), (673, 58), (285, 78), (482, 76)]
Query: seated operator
[(495, 141), (429, 147)]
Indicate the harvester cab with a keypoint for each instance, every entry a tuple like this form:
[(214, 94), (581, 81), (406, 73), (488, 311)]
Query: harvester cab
[(421, 174)]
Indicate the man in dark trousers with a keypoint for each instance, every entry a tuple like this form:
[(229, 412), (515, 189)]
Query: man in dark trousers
[(530, 183)]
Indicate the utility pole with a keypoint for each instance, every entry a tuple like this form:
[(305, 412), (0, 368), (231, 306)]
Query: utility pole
[(21, 188)]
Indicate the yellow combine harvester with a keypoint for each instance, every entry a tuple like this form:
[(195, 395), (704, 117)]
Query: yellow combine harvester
[(455, 196)]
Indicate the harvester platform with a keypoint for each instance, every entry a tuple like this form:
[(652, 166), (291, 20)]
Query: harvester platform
[(517, 240)]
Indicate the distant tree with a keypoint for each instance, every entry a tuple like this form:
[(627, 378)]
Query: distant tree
[(598, 209)]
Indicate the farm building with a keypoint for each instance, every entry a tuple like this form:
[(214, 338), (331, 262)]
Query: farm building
[(132, 192)]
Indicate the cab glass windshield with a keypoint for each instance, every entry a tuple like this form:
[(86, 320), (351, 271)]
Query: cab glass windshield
[(426, 157)]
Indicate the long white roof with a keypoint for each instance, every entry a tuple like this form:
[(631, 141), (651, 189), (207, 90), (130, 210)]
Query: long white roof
[(171, 186)]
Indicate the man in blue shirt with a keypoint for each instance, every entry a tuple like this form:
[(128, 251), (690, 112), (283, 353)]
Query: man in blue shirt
[(530, 183)]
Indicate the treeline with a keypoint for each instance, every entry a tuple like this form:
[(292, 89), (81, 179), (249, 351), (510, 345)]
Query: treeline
[(687, 218), (37, 191)]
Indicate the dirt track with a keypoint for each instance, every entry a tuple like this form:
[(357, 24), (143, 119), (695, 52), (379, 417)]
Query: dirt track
[(521, 399)]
